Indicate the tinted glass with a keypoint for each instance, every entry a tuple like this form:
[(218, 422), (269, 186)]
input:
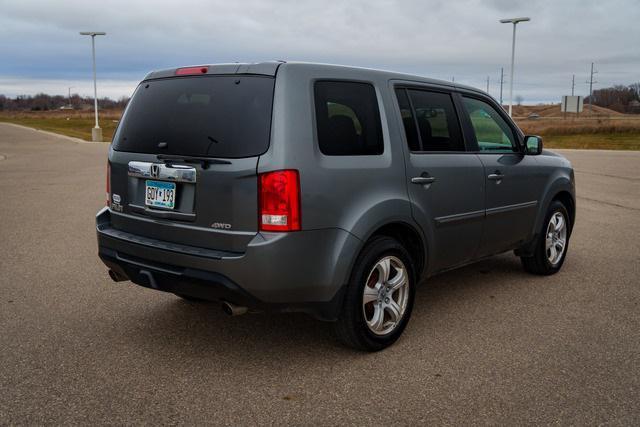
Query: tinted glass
[(348, 119), (408, 120), (492, 131), (212, 116), (436, 121)]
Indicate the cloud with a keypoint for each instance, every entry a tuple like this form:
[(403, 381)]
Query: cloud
[(439, 39)]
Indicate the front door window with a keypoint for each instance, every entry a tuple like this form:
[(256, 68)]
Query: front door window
[(492, 132)]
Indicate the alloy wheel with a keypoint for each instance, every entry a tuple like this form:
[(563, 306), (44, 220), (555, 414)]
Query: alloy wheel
[(386, 295), (556, 238)]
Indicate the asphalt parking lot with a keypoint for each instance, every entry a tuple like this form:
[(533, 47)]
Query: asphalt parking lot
[(486, 344)]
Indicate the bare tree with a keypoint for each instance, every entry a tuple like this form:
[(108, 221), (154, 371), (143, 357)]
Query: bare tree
[(618, 98), (519, 99), (43, 102)]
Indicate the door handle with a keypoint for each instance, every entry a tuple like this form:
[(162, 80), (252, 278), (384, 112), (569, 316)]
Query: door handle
[(423, 179), (496, 176)]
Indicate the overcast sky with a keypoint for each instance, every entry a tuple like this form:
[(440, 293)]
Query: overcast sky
[(41, 51)]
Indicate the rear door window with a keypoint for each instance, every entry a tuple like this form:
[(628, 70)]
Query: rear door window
[(347, 119), (430, 121), (408, 120), (209, 116)]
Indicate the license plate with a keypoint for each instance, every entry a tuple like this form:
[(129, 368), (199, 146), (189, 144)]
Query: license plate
[(160, 194)]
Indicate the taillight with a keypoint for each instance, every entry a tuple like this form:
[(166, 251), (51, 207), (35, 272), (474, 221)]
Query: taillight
[(108, 183), (191, 70), (279, 201)]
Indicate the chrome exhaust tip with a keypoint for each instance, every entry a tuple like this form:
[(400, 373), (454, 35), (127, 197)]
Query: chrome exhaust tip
[(116, 277), (232, 309)]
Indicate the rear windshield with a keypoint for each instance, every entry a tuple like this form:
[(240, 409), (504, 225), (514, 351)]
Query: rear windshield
[(210, 116)]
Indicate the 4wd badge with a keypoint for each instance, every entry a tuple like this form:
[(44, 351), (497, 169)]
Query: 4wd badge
[(221, 225)]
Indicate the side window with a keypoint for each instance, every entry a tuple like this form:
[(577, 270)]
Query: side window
[(348, 119), (492, 131), (430, 121), (407, 120)]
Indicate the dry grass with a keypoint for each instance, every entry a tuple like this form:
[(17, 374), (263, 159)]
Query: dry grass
[(615, 132), (71, 123), (605, 129), (615, 141), (553, 110), (596, 128), (61, 114), (579, 126)]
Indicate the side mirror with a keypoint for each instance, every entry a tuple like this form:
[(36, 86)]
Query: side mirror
[(533, 145)]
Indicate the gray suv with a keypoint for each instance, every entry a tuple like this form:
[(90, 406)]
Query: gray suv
[(323, 189)]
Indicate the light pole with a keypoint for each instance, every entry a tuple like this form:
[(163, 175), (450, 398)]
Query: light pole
[(70, 87), (591, 82), (96, 132), (513, 21)]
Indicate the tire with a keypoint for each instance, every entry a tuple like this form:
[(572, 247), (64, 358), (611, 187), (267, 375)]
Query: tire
[(542, 262), (352, 327)]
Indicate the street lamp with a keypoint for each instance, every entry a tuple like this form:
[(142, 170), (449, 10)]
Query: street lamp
[(70, 87), (513, 21), (96, 132)]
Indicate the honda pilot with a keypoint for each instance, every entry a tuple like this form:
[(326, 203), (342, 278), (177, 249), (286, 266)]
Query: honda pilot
[(323, 189)]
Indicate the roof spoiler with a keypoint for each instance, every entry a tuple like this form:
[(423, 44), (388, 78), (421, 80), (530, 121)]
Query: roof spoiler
[(260, 68)]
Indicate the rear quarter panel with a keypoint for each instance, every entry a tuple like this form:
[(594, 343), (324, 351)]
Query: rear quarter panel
[(353, 193)]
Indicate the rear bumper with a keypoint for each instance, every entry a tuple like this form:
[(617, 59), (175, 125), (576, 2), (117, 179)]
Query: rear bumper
[(301, 271)]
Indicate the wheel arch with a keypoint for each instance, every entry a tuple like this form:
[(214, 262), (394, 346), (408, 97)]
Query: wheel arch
[(409, 236), (559, 187)]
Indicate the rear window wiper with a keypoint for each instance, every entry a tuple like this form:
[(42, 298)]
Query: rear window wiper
[(203, 161)]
